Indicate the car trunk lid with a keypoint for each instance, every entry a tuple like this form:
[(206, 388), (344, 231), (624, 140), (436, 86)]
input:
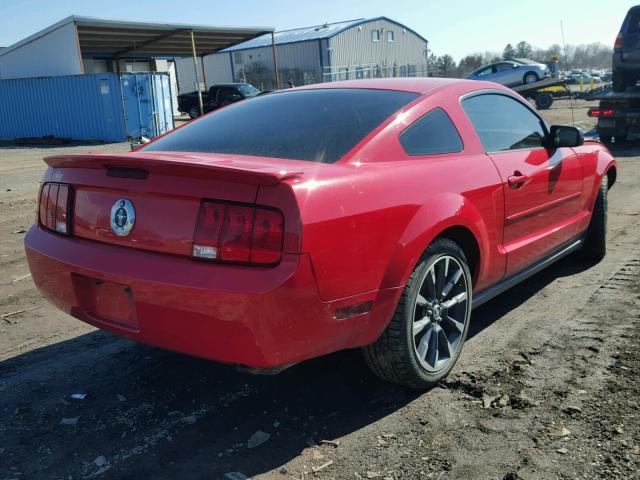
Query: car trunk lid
[(165, 191)]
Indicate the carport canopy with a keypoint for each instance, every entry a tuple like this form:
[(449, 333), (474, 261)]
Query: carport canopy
[(123, 38), (118, 38)]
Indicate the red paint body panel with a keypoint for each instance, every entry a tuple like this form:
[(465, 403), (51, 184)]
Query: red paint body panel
[(354, 231), (236, 314), (537, 209)]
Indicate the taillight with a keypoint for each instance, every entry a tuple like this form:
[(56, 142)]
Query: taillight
[(618, 42), (598, 112), (54, 211), (238, 233)]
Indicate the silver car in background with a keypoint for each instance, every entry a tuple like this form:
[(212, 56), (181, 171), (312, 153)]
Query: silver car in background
[(510, 73)]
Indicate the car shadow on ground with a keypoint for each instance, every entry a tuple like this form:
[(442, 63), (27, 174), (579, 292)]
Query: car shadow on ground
[(155, 413), (498, 307)]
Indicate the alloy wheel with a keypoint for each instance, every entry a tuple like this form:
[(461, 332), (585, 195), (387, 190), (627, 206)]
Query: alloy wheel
[(440, 313)]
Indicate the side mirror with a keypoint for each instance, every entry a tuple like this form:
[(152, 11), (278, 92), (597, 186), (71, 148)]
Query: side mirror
[(565, 136)]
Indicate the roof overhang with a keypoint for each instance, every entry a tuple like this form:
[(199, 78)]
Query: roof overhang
[(97, 36)]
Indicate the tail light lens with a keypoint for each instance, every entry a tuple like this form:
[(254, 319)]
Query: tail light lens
[(618, 42), (54, 210), (597, 112), (238, 233)]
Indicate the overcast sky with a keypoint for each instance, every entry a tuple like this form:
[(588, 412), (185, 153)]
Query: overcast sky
[(456, 27)]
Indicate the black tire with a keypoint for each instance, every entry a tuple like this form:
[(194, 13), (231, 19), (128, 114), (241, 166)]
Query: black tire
[(530, 77), (395, 357), (194, 112), (595, 243), (544, 100)]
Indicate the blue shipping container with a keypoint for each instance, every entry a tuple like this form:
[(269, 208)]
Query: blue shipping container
[(146, 98), (86, 107)]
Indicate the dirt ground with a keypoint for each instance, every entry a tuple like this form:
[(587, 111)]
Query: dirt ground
[(547, 386)]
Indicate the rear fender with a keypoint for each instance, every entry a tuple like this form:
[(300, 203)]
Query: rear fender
[(433, 218)]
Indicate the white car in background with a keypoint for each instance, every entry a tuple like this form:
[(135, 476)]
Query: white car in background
[(511, 73)]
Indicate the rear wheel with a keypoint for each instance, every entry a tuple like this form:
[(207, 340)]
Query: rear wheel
[(194, 112), (423, 341), (595, 242), (530, 77), (544, 100)]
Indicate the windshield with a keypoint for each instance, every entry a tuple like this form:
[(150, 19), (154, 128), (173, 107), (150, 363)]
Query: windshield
[(248, 90), (315, 125)]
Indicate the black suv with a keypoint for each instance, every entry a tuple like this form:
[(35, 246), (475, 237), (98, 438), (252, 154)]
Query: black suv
[(218, 96), (626, 52)]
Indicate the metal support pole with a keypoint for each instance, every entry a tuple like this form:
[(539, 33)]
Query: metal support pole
[(275, 62), (195, 70), (204, 73)]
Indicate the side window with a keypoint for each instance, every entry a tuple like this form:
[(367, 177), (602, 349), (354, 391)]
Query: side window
[(227, 95), (390, 36), (484, 71), (375, 35), (504, 67), (503, 123), (433, 133)]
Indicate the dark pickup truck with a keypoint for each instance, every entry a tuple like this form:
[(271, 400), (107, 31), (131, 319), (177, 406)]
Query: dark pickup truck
[(626, 52), (218, 96)]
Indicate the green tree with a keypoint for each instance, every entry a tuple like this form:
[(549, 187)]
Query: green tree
[(523, 50), (432, 65), (446, 65), (509, 51), (468, 64)]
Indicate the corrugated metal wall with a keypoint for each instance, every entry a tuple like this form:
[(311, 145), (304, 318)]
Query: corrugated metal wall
[(348, 55), (86, 107), (217, 70), (81, 107), (354, 53), (297, 62)]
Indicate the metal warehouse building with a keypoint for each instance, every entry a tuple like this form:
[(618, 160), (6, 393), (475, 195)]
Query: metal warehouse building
[(353, 49)]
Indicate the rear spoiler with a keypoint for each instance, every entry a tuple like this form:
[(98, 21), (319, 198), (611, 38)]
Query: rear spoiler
[(222, 167)]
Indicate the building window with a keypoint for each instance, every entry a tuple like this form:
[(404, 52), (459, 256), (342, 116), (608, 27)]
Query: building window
[(343, 73), (391, 36), (375, 35)]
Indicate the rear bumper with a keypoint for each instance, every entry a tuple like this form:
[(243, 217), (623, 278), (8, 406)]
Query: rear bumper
[(256, 317)]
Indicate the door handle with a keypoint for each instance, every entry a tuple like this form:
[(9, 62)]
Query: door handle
[(517, 180)]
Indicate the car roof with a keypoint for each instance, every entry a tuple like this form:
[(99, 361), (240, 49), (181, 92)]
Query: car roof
[(416, 85)]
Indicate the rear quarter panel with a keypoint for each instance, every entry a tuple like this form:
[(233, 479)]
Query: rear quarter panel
[(367, 220)]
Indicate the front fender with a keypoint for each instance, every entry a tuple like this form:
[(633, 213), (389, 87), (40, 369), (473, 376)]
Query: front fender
[(429, 221), (604, 162)]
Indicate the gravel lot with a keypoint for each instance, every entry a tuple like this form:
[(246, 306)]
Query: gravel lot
[(547, 387)]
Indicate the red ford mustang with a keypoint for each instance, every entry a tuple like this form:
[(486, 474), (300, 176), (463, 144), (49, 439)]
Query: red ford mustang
[(372, 213)]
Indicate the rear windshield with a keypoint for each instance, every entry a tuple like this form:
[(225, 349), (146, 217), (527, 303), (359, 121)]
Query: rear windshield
[(314, 125), (248, 90), (633, 21)]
